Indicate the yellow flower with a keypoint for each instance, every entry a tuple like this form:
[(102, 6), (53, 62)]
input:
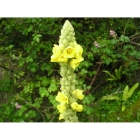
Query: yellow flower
[(78, 52), (61, 108), (80, 59), (74, 63), (62, 58), (62, 98), (57, 50), (69, 52), (54, 58), (78, 94), (61, 116), (75, 106)]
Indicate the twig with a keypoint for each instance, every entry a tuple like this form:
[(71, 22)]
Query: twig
[(42, 60), (6, 68), (94, 78), (116, 92), (134, 35), (126, 26), (134, 43), (52, 117)]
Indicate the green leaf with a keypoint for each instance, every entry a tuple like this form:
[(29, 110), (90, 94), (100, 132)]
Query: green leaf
[(133, 89), (37, 37), (114, 41), (53, 87), (125, 92), (45, 82), (43, 92), (33, 69), (123, 108), (109, 97), (29, 59), (118, 73), (107, 72), (128, 93), (124, 38), (111, 79)]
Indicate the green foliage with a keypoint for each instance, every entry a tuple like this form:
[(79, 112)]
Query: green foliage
[(127, 93), (116, 76), (124, 38), (109, 97), (28, 78)]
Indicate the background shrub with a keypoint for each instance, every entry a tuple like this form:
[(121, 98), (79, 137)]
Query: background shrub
[(29, 82)]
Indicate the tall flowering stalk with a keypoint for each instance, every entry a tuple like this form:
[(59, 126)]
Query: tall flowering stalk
[(69, 55)]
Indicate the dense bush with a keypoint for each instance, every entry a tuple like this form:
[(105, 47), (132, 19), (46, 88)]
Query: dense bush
[(29, 82)]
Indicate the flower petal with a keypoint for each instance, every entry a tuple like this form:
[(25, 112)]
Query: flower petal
[(78, 94), (61, 116), (61, 107), (77, 107), (69, 52), (62, 58), (74, 63), (62, 98)]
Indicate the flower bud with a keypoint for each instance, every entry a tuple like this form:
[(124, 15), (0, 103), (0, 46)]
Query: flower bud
[(62, 88), (65, 42), (73, 39), (72, 34), (72, 87), (63, 81), (67, 83), (67, 89), (62, 72), (70, 78), (72, 99), (67, 34), (69, 72), (68, 38), (73, 81), (71, 44)]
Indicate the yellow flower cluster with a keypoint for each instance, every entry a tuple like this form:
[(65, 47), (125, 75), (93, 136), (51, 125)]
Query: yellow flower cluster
[(64, 103), (72, 55)]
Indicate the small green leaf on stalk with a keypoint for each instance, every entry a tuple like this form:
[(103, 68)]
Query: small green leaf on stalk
[(123, 108), (107, 72)]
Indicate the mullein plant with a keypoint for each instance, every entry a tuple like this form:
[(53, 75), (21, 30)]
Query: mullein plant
[(69, 55)]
